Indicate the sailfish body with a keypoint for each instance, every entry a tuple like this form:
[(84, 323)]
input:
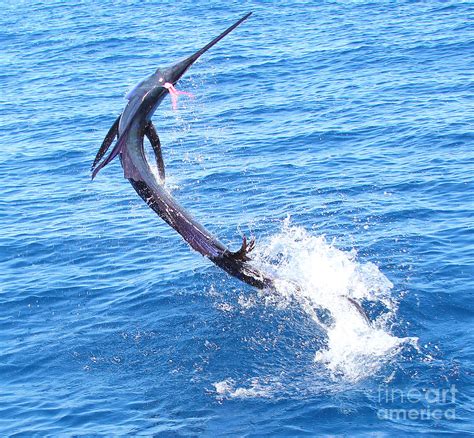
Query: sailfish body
[(130, 128)]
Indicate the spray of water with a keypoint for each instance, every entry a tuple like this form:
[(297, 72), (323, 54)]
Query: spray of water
[(326, 277)]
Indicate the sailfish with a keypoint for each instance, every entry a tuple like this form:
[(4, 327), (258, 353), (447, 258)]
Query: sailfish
[(129, 131)]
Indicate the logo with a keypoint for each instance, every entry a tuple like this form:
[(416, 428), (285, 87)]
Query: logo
[(417, 403)]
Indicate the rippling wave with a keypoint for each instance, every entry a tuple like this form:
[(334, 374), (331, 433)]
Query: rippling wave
[(352, 118)]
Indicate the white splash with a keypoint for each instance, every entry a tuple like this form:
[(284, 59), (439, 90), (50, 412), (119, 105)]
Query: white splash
[(228, 389), (326, 277)]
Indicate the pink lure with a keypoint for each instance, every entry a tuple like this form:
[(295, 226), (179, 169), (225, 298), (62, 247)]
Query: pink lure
[(174, 93)]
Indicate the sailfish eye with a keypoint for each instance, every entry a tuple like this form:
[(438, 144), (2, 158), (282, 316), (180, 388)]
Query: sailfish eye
[(161, 79)]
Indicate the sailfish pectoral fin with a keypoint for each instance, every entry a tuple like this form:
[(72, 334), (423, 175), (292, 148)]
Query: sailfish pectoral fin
[(152, 135), (109, 138)]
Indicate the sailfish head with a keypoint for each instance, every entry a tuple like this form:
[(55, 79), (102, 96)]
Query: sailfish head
[(147, 95)]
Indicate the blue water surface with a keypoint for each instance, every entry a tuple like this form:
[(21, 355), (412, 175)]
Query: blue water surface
[(341, 131)]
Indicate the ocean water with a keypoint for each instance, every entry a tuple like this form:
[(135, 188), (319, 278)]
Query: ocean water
[(337, 133)]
